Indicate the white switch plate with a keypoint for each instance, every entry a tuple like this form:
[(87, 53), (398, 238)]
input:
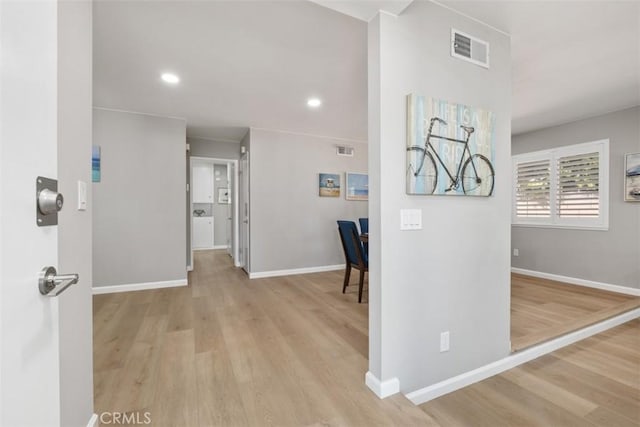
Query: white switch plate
[(444, 341), (516, 252), (82, 196), (410, 219)]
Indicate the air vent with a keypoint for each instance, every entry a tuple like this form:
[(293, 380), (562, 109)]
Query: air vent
[(343, 150), (469, 48)]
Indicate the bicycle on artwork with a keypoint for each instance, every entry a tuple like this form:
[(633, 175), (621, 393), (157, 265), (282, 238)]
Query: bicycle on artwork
[(475, 175)]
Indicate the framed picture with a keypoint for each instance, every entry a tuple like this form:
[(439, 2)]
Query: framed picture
[(450, 148), (329, 185), (357, 186), (223, 196), (632, 177), (95, 163)]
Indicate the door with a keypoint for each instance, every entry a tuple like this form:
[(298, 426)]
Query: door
[(203, 232), (45, 130), (231, 189), (244, 212)]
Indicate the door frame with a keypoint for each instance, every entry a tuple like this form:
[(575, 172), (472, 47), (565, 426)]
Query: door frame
[(234, 202)]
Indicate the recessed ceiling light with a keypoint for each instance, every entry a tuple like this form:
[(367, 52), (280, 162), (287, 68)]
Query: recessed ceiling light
[(314, 102), (170, 78)]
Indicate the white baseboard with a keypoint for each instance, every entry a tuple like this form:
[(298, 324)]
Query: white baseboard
[(306, 270), (382, 389), (575, 281), (220, 247), (452, 384), (93, 421), (190, 267), (97, 290)]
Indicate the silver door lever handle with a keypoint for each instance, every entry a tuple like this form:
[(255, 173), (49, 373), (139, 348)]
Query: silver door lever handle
[(50, 284)]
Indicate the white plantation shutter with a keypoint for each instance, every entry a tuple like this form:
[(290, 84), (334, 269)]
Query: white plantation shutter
[(579, 186), (564, 187), (533, 189)]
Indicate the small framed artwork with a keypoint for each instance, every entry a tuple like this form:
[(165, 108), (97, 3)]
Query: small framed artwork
[(223, 196), (632, 177), (329, 185), (95, 163), (357, 186)]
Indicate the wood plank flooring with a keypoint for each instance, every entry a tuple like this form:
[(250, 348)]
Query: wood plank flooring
[(595, 382), (542, 309), (292, 351), (227, 351)]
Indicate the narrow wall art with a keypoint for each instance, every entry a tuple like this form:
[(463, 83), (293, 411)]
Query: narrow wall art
[(632, 177), (450, 148), (95, 163)]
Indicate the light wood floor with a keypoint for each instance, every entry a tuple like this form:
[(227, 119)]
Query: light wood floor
[(595, 382), (292, 351), (543, 309)]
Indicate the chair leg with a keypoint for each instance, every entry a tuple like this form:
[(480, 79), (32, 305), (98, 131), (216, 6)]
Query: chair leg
[(347, 276), (361, 285)]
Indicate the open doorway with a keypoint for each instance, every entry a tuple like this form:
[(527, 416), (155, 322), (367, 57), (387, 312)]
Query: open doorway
[(213, 212)]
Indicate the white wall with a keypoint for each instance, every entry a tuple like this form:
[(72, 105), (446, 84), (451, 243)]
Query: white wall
[(611, 256), (139, 216), (453, 275), (291, 225)]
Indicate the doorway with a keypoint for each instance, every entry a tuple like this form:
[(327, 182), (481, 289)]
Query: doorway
[(213, 213)]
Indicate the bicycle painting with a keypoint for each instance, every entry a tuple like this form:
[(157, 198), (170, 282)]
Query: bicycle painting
[(450, 148)]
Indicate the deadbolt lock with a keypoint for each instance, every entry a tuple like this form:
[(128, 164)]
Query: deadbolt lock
[(49, 202)]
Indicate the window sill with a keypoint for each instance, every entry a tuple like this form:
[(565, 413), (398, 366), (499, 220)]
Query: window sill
[(563, 226)]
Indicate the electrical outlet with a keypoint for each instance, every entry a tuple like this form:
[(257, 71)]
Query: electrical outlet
[(516, 252), (444, 341)]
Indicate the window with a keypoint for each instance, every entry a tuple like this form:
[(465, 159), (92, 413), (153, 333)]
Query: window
[(564, 187)]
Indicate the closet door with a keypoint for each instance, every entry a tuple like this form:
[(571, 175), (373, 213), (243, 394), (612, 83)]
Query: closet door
[(202, 183), (203, 232)]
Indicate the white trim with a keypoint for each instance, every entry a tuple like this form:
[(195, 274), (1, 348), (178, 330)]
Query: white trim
[(337, 138), (455, 383), (293, 271), (93, 421), (190, 266), (576, 281), (117, 110), (382, 389), (97, 290), (205, 138), (220, 247)]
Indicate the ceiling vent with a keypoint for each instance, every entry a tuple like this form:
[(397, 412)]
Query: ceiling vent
[(343, 150), (469, 48)]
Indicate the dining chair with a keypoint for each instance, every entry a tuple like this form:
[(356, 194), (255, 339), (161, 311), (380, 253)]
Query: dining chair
[(364, 225), (354, 254), (364, 229)]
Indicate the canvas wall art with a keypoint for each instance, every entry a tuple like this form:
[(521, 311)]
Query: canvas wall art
[(329, 185), (95, 163), (450, 148), (632, 177), (357, 186)]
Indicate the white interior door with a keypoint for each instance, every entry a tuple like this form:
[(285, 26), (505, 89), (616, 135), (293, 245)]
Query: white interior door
[(45, 113), (229, 228), (202, 183), (244, 212)]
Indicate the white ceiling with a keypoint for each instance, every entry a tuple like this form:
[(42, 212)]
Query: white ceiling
[(571, 59), (255, 63), (241, 63)]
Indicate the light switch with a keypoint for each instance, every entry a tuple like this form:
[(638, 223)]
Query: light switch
[(410, 219), (82, 196)]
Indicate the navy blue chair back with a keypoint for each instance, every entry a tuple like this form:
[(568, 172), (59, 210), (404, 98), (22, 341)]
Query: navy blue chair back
[(350, 238), (364, 225)]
